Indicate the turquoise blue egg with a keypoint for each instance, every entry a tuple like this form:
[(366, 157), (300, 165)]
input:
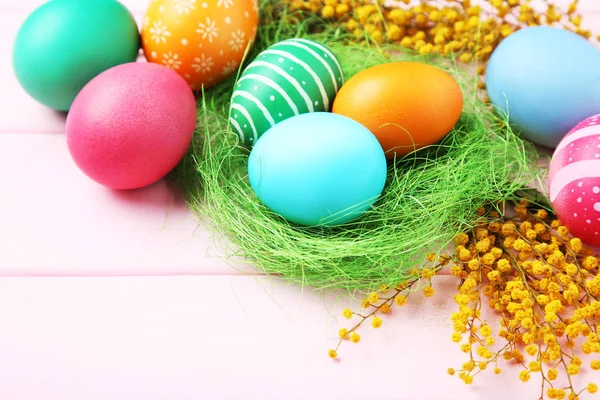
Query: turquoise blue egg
[(63, 44), (547, 80), (318, 169)]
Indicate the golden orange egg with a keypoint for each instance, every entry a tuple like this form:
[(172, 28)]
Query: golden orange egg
[(406, 105), (204, 41)]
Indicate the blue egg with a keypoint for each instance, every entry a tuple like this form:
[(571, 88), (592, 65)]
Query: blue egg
[(318, 169), (547, 80)]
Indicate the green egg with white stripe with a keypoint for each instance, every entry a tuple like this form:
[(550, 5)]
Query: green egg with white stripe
[(292, 77)]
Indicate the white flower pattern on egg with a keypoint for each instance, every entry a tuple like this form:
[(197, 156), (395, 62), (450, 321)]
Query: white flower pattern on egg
[(230, 68), (159, 32), (203, 64), (171, 61), (208, 30), (237, 40), (184, 6), (225, 3)]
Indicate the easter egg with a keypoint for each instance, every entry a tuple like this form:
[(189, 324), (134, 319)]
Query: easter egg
[(63, 44), (289, 78), (131, 125), (407, 105), (574, 178), (318, 169), (546, 80), (204, 41)]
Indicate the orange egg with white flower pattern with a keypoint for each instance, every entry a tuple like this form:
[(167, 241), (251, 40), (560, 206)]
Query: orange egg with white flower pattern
[(204, 41)]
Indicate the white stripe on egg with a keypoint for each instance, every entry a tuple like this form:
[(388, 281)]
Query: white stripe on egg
[(573, 172), (273, 85), (308, 69), (238, 128), (318, 57), (246, 115), (580, 134), (325, 50), (261, 107), (288, 77)]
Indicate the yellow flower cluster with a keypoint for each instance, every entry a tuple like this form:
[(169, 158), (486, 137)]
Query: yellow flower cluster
[(545, 287), (448, 27), (382, 301)]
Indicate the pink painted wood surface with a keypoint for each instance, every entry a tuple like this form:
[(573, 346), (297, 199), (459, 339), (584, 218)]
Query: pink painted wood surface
[(190, 338), (62, 223), (216, 335)]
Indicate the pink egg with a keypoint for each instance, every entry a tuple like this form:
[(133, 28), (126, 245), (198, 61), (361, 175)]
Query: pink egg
[(131, 125), (575, 181)]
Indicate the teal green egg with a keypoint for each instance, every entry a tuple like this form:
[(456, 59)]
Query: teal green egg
[(63, 44), (289, 78)]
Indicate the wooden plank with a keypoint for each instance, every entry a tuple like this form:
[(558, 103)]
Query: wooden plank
[(224, 338), (57, 221)]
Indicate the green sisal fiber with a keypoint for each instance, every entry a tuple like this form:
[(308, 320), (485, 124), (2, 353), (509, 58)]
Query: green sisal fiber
[(431, 195)]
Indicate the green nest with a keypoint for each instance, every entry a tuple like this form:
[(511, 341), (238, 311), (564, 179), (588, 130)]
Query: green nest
[(430, 195)]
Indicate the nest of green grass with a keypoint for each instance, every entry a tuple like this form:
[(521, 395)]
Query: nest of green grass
[(430, 195)]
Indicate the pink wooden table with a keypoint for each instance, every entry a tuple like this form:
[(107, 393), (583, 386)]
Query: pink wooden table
[(119, 296)]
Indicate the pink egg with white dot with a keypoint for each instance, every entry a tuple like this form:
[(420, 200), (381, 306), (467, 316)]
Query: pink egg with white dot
[(574, 178)]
